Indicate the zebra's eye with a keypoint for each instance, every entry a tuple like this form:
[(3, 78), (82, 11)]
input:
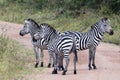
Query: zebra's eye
[(38, 32), (105, 25)]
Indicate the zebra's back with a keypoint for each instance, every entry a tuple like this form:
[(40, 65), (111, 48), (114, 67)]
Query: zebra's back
[(63, 43), (82, 39)]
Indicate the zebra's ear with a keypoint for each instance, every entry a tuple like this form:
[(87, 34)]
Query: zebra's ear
[(104, 19), (39, 26), (26, 21), (92, 27)]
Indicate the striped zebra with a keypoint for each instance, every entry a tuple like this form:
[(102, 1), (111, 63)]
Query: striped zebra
[(31, 27), (59, 47), (91, 39)]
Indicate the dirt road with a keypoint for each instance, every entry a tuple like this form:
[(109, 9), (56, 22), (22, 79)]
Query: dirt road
[(107, 60)]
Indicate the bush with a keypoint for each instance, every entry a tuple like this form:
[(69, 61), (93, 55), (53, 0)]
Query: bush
[(108, 5)]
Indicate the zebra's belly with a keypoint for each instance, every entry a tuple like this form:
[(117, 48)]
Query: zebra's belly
[(45, 47), (83, 48), (42, 46)]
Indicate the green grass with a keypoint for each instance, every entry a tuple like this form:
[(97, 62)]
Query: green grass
[(15, 60), (62, 22)]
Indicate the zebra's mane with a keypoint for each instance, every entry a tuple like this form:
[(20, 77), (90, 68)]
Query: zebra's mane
[(33, 21), (95, 25), (49, 26)]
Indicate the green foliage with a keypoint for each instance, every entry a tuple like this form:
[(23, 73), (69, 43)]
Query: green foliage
[(15, 60), (114, 5), (106, 5), (65, 17)]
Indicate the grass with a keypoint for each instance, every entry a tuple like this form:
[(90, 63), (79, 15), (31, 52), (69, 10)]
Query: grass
[(62, 22), (15, 60)]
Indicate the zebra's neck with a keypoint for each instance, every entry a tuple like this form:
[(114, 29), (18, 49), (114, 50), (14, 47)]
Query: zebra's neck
[(52, 37), (96, 33), (33, 30)]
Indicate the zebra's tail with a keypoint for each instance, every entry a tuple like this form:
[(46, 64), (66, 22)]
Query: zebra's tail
[(75, 50)]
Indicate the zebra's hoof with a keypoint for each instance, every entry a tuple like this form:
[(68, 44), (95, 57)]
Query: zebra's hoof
[(54, 71), (49, 65), (94, 67), (36, 65), (53, 65), (90, 68), (61, 68), (75, 72), (41, 64), (64, 73)]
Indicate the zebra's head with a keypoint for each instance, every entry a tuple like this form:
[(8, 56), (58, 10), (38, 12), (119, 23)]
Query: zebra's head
[(104, 25), (29, 25)]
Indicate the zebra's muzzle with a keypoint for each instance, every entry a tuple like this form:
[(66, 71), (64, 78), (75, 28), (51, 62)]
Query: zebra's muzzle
[(111, 32), (20, 34)]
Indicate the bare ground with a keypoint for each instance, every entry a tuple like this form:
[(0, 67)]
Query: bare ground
[(107, 60)]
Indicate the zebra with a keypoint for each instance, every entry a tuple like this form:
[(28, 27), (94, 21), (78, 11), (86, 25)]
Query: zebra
[(62, 46), (91, 39), (59, 47), (30, 26)]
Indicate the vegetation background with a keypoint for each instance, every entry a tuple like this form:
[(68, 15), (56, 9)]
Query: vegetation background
[(63, 15)]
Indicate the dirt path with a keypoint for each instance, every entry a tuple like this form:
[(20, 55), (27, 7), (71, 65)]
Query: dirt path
[(107, 60)]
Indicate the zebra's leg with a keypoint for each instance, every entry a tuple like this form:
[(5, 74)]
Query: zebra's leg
[(55, 63), (75, 58), (74, 61), (41, 57), (90, 58), (93, 58), (36, 55), (50, 61), (60, 63), (66, 56)]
